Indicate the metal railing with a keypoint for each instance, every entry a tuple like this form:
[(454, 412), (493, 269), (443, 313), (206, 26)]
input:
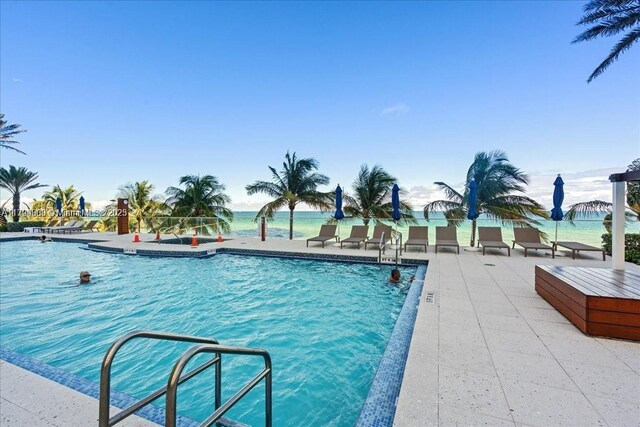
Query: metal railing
[(382, 246), (175, 379), (206, 345)]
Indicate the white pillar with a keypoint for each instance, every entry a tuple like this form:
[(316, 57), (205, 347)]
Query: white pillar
[(617, 246)]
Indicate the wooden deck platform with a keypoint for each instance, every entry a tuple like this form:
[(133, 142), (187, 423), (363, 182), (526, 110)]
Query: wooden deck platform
[(599, 301)]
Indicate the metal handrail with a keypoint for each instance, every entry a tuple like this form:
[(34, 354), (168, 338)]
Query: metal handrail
[(104, 419), (175, 379)]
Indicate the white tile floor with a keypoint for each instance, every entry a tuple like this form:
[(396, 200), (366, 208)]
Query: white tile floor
[(490, 351)]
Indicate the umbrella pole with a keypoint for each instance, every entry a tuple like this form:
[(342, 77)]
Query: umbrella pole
[(556, 231)]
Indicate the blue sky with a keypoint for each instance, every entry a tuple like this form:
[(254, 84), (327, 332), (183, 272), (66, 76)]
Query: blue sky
[(116, 92)]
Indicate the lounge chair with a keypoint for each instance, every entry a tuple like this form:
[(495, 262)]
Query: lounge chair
[(327, 232), (76, 226), (379, 231), (577, 247), (529, 238), (418, 236), (62, 225), (51, 223), (359, 233), (91, 226), (491, 237), (447, 236)]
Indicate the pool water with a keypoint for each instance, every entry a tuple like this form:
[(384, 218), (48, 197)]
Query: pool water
[(325, 324)]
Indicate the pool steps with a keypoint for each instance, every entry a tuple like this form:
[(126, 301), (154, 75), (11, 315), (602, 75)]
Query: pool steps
[(203, 345)]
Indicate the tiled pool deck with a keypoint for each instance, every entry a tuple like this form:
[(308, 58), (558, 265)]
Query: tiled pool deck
[(488, 350)]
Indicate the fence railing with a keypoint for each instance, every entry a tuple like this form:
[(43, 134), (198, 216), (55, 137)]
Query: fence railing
[(307, 224)]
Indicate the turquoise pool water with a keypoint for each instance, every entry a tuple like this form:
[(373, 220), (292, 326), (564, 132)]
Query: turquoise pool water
[(325, 324)]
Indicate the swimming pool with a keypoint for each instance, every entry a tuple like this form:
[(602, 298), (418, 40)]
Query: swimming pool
[(325, 324)]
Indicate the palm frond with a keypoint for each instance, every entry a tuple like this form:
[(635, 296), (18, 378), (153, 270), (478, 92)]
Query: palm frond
[(449, 192), (587, 210), (624, 44), (440, 205)]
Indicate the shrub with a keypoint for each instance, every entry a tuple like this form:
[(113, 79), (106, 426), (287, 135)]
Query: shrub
[(20, 226), (631, 246)]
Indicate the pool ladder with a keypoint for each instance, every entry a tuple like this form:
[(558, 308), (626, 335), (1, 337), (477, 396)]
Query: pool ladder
[(204, 345), (385, 259)]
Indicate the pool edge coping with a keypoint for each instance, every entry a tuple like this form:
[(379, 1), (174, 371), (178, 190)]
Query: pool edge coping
[(379, 407)]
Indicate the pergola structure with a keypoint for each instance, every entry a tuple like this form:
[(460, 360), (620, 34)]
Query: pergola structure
[(617, 241)]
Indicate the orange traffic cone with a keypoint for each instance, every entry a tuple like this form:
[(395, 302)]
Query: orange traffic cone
[(194, 241), (136, 238), (219, 237), (157, 235)]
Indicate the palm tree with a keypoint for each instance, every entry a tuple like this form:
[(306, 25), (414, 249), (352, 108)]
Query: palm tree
[(497, 181), (16, 181), (7, 133), (202, 197), (295, 183), (609, 18), (372, 197), (595, 207), (143, 206), (69, 197)]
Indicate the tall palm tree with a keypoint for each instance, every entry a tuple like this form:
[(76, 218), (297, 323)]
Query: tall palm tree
[(595, 207), (497, 181), (69, 197), (16, 181), (372, 197), (295, 183), (7, 133), (609, 18), (143, 205), (203, 196)]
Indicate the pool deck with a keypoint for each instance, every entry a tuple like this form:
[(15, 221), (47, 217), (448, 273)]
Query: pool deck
[(488, 350), (27, 399)]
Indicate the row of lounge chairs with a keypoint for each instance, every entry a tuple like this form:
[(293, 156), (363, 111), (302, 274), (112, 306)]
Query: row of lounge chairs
[(382, 234), (70, 227), (488, 237)]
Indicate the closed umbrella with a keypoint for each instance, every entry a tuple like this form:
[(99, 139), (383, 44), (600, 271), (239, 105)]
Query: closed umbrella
[(558, 198), (472, 211), (395, 213), (339, 214), (59, 206), (81, 206), (395, 202)]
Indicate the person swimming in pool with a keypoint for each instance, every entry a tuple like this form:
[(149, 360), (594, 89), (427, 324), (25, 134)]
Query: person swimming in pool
[(395, 277), (85, 277), (44, 239)]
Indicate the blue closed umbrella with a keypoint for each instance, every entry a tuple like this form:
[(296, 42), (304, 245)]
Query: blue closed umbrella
[(472, 213), (59, 206), (395, 202), (558, 198), (339, 214), (81, 206)]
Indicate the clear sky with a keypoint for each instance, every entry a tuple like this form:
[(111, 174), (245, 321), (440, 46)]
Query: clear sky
[(116, 92)]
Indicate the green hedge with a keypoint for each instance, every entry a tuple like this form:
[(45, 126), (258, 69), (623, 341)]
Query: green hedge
[(631, 246), (20, 226)]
